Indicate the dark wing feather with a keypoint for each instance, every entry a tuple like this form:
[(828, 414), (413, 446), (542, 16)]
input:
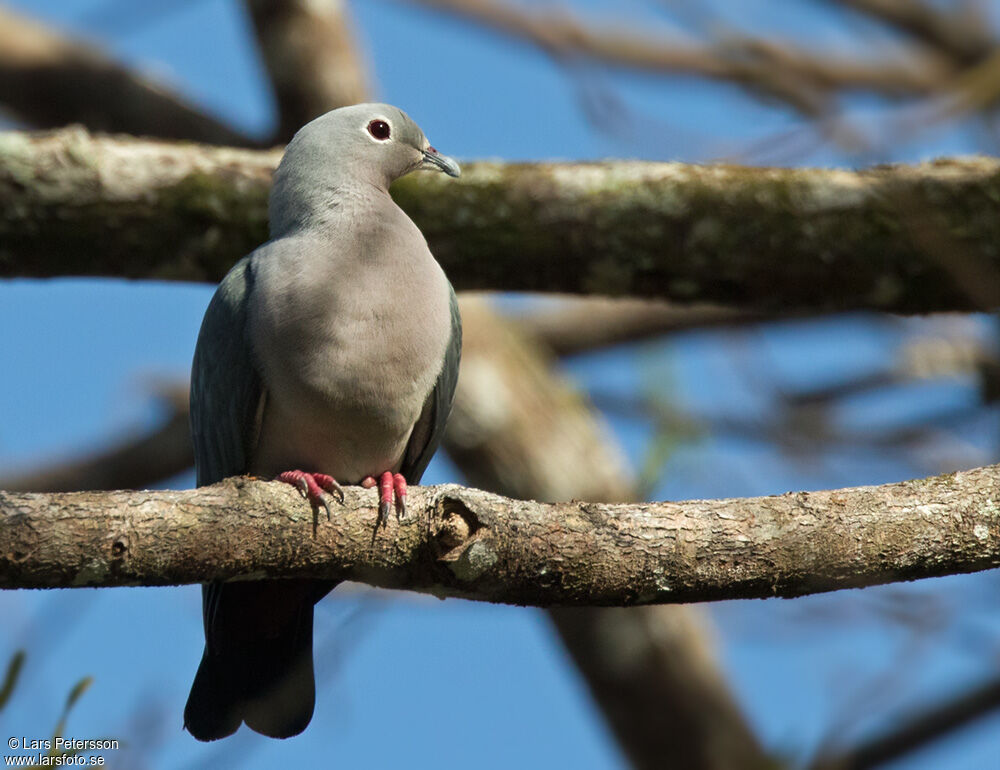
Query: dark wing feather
[(225, 386), (257, 665), (429, 430)]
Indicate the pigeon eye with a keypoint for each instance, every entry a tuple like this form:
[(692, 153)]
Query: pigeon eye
[(379, 129)]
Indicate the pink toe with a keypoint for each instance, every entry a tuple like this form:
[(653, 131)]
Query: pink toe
[(386, 486), (314, 483)]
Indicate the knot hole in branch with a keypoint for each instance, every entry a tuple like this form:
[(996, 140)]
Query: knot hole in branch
[(458, 526), (119, 547)]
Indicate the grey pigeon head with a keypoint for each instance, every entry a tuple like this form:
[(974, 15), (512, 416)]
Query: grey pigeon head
[(368, 144)]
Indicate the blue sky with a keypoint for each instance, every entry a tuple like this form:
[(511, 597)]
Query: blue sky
[(411, 680)]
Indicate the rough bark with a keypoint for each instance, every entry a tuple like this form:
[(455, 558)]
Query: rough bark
[(312, 58), (48, 79), (76, 204), (469, 543), (522, 429), (771, 240)]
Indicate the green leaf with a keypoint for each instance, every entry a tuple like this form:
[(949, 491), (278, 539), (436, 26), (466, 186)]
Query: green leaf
[(74, 695), (11, 677)]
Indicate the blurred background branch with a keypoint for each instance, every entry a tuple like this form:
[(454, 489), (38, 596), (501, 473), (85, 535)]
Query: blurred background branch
[(932, 52), (312, 56), (48, 80)]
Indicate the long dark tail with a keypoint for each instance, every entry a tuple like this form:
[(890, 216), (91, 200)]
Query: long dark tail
[(258, 665)]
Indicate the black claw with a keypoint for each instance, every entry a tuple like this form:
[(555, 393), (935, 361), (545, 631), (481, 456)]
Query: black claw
[(383, 513), (326, 504), (303, 487), (334, 489), (401, 511)]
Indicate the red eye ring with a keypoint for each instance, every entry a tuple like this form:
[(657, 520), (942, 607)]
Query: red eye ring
[(379, 129)]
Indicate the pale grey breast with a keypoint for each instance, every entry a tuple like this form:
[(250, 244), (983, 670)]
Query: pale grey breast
[(349, 326)]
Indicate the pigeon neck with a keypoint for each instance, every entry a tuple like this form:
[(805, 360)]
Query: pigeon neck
[(297, 204)]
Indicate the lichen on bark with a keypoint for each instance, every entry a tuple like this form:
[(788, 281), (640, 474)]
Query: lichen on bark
[(911, 239), (513, 551)]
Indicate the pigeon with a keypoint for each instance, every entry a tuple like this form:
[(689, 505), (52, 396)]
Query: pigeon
[(327, 356)]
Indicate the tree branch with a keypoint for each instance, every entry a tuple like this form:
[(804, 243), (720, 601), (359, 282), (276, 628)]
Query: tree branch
[(769, 240), (962, 33), (655, 674), (133, 462), (747, 61), (50, 80), (468, 543), (520, 428), (312, 57), (909, 733), (581, 324), (129, 207)]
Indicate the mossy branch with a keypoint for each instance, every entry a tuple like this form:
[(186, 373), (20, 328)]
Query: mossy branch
[(899, 239)]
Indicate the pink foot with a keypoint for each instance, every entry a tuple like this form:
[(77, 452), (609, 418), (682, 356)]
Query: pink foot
[(314, 487), (390, 485)]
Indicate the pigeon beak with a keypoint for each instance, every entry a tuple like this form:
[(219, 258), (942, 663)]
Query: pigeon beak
[(438, 162)]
